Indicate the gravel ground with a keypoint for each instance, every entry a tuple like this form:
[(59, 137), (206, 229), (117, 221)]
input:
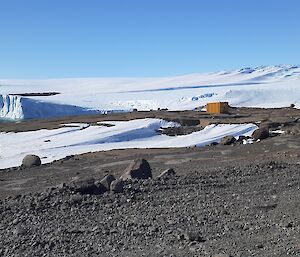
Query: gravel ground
[(250, 210)]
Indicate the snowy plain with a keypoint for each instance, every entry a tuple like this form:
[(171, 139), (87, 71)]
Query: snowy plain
[(81, 138), (266, 86)]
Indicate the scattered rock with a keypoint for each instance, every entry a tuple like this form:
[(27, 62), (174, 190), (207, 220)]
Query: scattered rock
[(31, 160), (138, 169), (228, 140), (106, 181), (86, 186), (167, 173), (241, 139), (117, 186), (193, 236), (261, 133)]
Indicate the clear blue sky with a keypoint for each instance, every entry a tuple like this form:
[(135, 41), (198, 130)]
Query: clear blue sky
[(91, 38)]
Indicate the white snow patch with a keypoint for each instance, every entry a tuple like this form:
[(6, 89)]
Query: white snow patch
[(142, 133)]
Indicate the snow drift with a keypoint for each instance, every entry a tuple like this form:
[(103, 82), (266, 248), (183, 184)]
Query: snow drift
[(268, 86), (81, 138)]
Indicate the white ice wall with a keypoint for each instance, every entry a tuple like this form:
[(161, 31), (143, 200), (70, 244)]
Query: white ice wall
[(18, 107), (11, 107)]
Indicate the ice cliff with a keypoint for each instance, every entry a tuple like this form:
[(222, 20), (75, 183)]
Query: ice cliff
[(17, 107)]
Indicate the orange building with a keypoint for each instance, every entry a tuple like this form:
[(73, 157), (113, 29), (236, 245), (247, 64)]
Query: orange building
[(217, 107)]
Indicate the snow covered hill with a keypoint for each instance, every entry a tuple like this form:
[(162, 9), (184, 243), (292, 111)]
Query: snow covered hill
[(267, 86)]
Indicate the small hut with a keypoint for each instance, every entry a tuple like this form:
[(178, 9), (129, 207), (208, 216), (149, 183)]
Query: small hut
[(217, 107)]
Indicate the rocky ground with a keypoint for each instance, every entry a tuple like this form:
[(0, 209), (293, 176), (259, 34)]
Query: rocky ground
[(235, 200)]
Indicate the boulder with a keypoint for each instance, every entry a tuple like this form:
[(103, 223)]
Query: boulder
[(106, 181), (117, 186), (86, 186), (167, 173), (31, 160), (261, 133), (241, 139), (228, 140), (138, 169)]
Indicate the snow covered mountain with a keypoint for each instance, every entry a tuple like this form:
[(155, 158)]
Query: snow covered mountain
[(266, 86)]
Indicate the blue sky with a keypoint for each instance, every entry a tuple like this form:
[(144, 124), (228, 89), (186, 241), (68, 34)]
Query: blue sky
[(93, 38)]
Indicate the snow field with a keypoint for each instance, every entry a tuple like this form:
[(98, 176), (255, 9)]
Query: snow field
[(73, 139)]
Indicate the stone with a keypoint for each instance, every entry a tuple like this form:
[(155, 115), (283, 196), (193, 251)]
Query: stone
[(138, 169), (261, 133), (19, 230), (117, 186), (31, 160), (167, 173), (85, 186), (193, 236), (228, 140), (106, 181)]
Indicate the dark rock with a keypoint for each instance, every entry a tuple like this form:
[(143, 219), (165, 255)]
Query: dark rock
[(117, 186), (261, 133), (167, 173), (228, 140), (31, 160), (241, 139), (193, 236), (85, 186), (138, 169), (179, 131), (106, 181)]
